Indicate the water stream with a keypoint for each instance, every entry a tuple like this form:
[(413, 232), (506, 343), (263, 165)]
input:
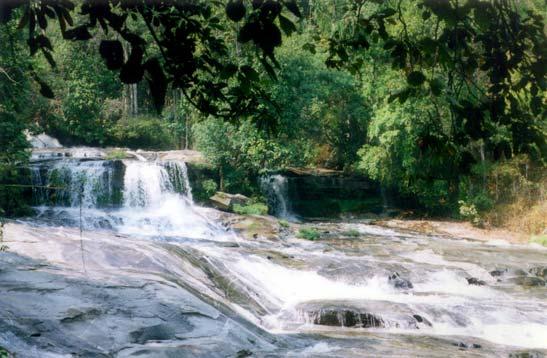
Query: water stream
[(380, 287)]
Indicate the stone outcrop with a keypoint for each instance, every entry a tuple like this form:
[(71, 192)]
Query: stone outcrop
[(361, 314), (398, 282), (316, 193), (224, 201)]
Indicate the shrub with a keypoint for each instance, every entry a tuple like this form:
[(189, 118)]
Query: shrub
[(539, 239), (116, 154), (469, 212), (209, 187), (351, 233), (251, 209), (308, 233), (284, 224), (143, 132)]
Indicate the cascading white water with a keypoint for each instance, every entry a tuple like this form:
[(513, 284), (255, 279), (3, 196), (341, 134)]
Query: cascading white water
[(312, 278), (276, 189), (158, 202), (74, 183), (178, 175), (144, 184), (143, 198)]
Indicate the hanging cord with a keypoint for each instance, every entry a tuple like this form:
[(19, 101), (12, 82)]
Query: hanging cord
[(80, 197), (2, 246)]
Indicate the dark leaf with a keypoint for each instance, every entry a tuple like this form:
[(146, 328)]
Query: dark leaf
[(293, 7), (45, 90), (157, 82), (415, 78), (269, 69), (309, 47), (436, 86), (43, 41), (235, 9), (48, 57), (536, 105), (112, 52), (42, 21), (80, 33), (228, 71), (268, 38), (386, 13), (248, 32), (24, 20), (286, 25), (249, 73)]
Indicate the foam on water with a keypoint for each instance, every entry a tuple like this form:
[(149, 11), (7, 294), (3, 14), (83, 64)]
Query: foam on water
[(156, 202)]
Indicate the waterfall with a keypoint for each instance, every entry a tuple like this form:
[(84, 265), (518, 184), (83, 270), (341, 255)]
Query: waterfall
[(73, 183), (143, 198), (178, 175), (144, 184), (157, 202), (276, 189)]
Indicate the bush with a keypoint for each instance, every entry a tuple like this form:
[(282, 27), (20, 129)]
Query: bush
[(308, 233), (3, 353), (116, 154), (251, 209), (351, 233), (143, 132), (209, 187), (469, 212), (284, 224), (539, 239)]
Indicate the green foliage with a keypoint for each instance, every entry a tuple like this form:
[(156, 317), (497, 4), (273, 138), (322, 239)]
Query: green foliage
[(351, 233), (251, 209), (143, 132), (322, 115), (400, 138), (239, 152), (469, 212), (15, 106), (441, 100), (284, 224), (3, 352), (194, 54), (116, 154), (539, 239), (308, 233), (210, 187)]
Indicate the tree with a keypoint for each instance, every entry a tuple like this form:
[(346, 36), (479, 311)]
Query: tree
[(188, 35)]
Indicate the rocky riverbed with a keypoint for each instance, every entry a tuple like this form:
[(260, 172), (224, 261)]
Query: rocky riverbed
[(154, 275)]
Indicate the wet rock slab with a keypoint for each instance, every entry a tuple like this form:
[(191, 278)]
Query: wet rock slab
[(120, 303), (360, 314)]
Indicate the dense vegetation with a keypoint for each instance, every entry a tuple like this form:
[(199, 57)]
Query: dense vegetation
[(443, 101)]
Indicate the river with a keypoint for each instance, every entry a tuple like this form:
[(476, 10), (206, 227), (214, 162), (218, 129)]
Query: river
[(122, 262)]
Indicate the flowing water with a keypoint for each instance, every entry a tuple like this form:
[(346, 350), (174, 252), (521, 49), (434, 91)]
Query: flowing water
[(276, 189), (378, 292)]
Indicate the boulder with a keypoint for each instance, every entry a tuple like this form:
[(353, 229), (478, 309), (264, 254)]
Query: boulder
[(398, 282), (475, 281), (528, 281), (224, 201), (346, 318), (360, 314), (540, 271), (42, 140)]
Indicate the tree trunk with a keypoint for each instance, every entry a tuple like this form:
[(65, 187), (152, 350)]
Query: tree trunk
[(221, 177), (134, 100)]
